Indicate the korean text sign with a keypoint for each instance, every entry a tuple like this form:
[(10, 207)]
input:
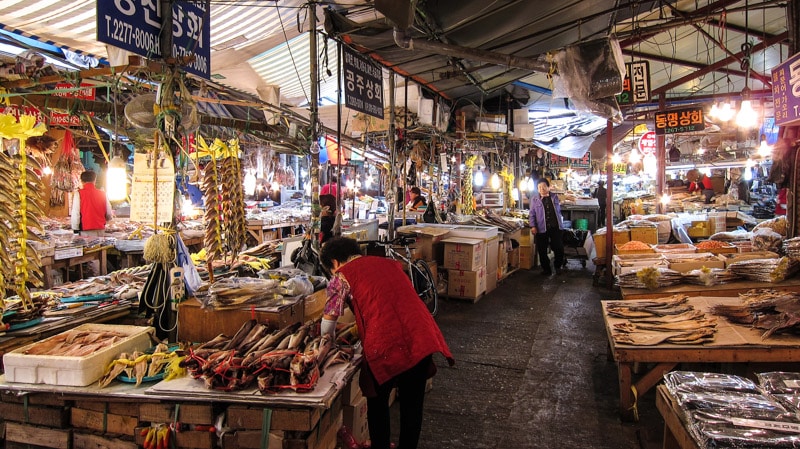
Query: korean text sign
[(135, 25), (363, 84), (680, 121), (786, 91)]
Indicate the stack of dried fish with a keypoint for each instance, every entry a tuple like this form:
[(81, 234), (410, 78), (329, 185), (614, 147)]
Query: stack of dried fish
[(212, 242), (664, 320), (236, 292), (67, 171), (650, 278), (773, 311), (791, 247), (290, 358), (487, 217), (709, 276), (766, 270), (75, 343)]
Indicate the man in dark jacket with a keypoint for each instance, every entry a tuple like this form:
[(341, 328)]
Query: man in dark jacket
[(546, 224)]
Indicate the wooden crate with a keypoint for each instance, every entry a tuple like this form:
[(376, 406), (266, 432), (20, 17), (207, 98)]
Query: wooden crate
[(54, 417), (27, 434), (242, 417), (189, 439), (104, 422), (201, 325), (188, 413), (90, 440)]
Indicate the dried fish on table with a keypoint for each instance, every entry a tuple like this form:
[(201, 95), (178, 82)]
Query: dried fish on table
[(649, 278), (772, 311), (766, 270), (652, 338), (710, 276), (791, 247)]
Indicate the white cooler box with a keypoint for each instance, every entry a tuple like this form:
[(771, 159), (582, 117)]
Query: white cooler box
[(74, 371)]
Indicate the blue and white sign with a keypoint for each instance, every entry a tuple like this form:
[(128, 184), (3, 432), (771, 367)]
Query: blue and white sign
[(135, 25)]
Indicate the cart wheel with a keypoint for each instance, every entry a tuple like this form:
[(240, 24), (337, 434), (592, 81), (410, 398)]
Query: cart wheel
[(583, 263)]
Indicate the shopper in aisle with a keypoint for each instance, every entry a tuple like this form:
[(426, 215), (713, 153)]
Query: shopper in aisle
[(327, 217), (331, 188), (700, 182), (780, 202), (90, 207), (416, 199), (546, 224), (600, 194), (397, 332)]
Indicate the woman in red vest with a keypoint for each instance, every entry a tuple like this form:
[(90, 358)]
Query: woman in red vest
[(90, 207), (397, 332)]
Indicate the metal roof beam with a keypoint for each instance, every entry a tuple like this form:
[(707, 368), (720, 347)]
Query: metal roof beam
[(683, 62)]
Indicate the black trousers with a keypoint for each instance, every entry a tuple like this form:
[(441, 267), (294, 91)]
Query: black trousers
[(411, 392), (551, 239)]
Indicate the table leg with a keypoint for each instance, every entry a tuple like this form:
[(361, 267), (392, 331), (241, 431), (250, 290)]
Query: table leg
[(103, 262), (627, 400)]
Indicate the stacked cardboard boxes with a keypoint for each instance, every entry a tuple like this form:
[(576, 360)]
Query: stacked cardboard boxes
[(527, 254), (465, 261)]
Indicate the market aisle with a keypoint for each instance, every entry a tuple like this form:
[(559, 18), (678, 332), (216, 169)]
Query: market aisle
[(531, 372)]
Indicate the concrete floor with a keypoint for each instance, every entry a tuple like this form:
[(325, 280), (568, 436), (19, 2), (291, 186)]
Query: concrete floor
[(532, 371)]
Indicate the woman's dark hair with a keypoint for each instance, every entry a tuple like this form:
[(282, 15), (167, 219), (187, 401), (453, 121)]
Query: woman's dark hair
[(328, 200), (416, 190), (339, 249), (544, 181)]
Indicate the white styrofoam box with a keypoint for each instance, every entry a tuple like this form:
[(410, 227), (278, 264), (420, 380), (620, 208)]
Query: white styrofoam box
[(491, 127), (70, 370), (521, 116), (473, 232), (523, 131), (414, 94), (425, 111)]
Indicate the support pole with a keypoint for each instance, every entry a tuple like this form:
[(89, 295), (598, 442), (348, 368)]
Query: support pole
[(314, 117), (609, 204), (661, 166), (392, 187)]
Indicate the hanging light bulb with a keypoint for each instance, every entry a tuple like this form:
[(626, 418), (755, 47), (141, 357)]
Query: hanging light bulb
[(494, 182), (531, 185), (480, 162), (714, 112), (764, 150), (368, 181), (634, 157), (665, 199), (748, 173), (749, 163), (523, 183), (747, 117), (116, 180), (515, 194), (478, 178), (616, 158), (47, 171), (726, 112)]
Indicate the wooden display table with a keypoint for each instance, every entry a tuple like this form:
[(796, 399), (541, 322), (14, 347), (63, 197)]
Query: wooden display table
[(732, 344), (676, 436), (89, 255), (730, 289), (273, 231)]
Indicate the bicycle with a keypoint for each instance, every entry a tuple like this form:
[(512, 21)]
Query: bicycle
[(418, 270)]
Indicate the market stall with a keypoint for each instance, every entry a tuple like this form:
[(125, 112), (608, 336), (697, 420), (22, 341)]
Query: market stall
[(725, 342)]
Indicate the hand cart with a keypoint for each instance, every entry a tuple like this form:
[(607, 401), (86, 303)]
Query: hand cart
[(573, 245)]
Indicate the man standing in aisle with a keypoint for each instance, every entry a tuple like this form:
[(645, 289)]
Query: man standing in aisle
[(90, 207), (546, 224)]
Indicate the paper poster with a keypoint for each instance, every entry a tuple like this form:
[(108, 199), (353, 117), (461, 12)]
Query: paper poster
[(146, 195)]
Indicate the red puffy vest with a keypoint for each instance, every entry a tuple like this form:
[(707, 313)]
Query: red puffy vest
[(395, 327), (93, 208)]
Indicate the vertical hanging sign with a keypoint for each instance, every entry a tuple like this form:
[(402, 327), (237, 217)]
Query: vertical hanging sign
[(363, 83), (636, 86), (135, 26), (786, 91)]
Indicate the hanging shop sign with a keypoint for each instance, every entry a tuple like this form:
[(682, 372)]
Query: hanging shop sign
[(363, 84), (647, 143), (135, 26), (53, 118), (786, 91), (620, 169), (557, 161), (683, 120), (636, 85)]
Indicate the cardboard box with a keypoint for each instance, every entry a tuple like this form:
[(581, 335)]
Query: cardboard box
[(523, 131), (355, 418), (513, 257), (672, 248), (201, 325), (521, 116), (625, 263), (525, 237), (429, 243), (351, 393), (526, 257), (67, 252), (464, 253), (686, 264), (492, 262), (646, 235), (71, 370), (313, 305), (620, 237), (466, 284)]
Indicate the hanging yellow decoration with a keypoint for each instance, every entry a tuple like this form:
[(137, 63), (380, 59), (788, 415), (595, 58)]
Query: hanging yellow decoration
[(508, 179), (468, 207)]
